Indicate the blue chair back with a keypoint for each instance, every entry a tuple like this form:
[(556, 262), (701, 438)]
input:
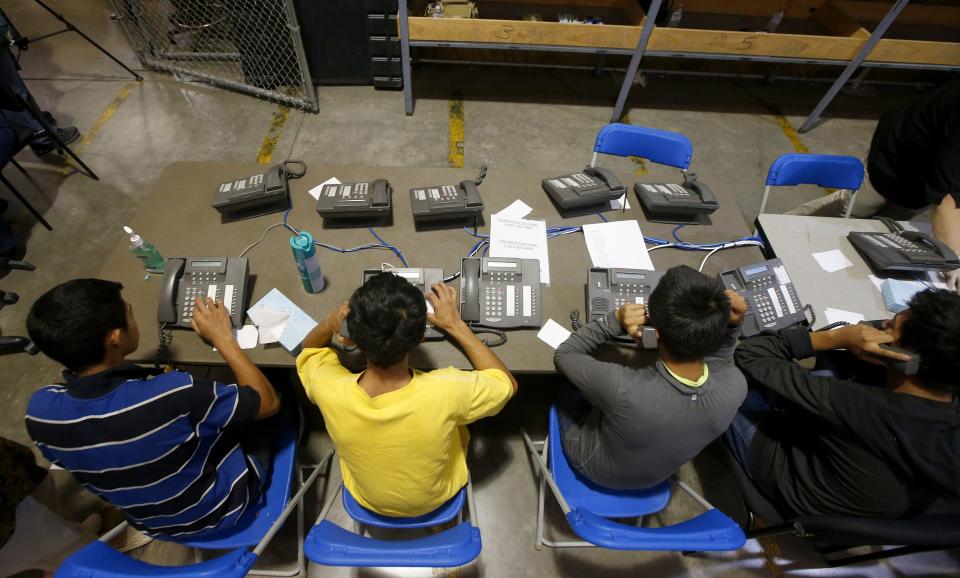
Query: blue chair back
[(446, 512), (582, 493), (828, 171), (98, 560), (660, 146), (331, 545)]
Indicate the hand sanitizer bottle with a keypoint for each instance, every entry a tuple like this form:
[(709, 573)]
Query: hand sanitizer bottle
[(308, 264), (152, 260)]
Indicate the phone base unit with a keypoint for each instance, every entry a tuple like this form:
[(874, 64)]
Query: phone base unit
[(609, 289), (500, 292), (772, 301), (356, 204), (689, 203), (446, 206), (422, 278), (894, 252), (190, 278), (260, 194), (585, 192)]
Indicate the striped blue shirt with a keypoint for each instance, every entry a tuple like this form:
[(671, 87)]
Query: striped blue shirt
[(164, 448)]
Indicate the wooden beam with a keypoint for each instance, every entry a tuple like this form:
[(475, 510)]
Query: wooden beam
[(793, 8), (682, 40), (926, 15), (838, 22)]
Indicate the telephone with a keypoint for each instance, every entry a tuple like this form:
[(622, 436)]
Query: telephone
[(189, 278), (909, 367), (500, 292), (422, 278), (260, 194), (686, 203), (608, 289), (772, 301), (371, 199), (901, 250), (448, 202), (593, 188)]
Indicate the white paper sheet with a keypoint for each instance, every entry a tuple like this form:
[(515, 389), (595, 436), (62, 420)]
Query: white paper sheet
[(315, 191), (877, 282), (617, 244), (833, 260), (835, 315), (270, 322), (553, 334), (295, 326), (522, 239), (617, 204), (516, 210), (247, 336)]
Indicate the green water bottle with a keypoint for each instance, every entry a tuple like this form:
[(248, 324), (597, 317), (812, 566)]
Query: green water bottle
[(152, 260)]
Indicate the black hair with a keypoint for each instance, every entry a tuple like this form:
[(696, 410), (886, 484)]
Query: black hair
[(690, 311), (387, 319), (70, 322), (932, 330)]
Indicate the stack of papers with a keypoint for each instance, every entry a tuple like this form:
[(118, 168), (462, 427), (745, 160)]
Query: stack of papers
[(279, 319)]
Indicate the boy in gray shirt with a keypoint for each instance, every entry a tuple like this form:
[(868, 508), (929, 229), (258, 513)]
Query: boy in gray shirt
[(637, 425)]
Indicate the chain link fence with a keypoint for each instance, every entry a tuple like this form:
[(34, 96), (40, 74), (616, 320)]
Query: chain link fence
[(251, 46)]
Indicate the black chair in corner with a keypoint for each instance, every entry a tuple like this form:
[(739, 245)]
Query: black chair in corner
[(837, 534), (12, 141)]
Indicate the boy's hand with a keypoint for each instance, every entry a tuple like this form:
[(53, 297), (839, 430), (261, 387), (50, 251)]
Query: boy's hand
[(738, 308), (632, 318), (446, 308), (864, 342), (335, 318), (211, 321)]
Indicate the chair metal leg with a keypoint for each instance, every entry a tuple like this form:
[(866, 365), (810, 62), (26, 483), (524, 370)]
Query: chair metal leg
[(880, 555), (25, 202), (850, 204)]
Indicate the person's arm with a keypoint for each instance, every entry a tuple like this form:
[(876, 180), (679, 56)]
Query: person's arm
[(738, 308), (322, 334), (211, 321), (446, 317), (946, 227)]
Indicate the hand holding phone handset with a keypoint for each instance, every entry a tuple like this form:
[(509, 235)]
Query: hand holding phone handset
[(867, 341)]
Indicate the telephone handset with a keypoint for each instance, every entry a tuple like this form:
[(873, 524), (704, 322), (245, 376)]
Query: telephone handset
[(500, 292), (901, 250), (356, 200), (688, 202), (609, 289), (594, 187), (187, 279), (772, 301), (422, 278), (908, 367)]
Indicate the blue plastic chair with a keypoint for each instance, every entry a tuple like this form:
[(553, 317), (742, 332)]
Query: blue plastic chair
[(827, 171), (589, 507), (331, 545), (660, 146), (254, 529)]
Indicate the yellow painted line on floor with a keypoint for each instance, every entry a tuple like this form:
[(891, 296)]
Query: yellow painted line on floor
[(455, 152), (791, 133), (640, 165), (84, 143), (269, 144)]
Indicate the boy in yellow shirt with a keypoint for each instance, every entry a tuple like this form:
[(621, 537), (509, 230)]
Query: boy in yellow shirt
[(400, 432)]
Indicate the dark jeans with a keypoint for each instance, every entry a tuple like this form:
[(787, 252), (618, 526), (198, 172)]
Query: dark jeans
[(10, 77), (743, 428)]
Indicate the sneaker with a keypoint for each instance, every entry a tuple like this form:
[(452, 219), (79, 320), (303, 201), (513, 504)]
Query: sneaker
[(67, 134)]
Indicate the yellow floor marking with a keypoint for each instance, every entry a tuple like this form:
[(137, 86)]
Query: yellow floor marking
[(640, 165), (791, 133), (265, 154), (455, 153), (83, 144)]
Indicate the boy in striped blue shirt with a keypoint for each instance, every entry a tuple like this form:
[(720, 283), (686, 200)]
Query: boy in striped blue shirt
[(163, 447)]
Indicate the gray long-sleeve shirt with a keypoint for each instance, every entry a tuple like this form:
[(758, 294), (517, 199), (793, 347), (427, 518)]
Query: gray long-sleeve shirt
[(644, 423)]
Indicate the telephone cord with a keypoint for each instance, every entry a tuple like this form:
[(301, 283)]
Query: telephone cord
[(501, 335)]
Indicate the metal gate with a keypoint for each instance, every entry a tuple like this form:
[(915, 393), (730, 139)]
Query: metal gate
[(251, 46)]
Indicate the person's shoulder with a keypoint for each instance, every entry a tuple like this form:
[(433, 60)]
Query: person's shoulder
[(42, 398)]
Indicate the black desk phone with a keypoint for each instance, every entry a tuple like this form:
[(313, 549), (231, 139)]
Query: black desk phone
[(500, 292), (772, 301), (422, 278), (686, 203), (371, 199), (187, 279), (901, 250), (439, 203), (608, 289), (259, 194), (594, 187)]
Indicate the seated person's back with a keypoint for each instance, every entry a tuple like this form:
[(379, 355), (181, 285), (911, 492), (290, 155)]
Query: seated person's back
[(637, 425), (858, 442), (400, 431), (163, 447)]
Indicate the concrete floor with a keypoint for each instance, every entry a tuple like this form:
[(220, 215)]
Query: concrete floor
[(512, 118)]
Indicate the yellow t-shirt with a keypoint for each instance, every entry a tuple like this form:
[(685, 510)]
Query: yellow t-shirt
[(402, 453)]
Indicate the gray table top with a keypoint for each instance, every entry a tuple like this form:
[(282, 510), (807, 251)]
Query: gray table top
[(177, 217), (794, 239)]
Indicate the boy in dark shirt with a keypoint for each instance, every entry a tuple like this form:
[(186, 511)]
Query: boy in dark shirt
[(885, 445)]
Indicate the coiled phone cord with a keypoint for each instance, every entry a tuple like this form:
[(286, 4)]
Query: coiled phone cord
[(501, 335), (164, 339)]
